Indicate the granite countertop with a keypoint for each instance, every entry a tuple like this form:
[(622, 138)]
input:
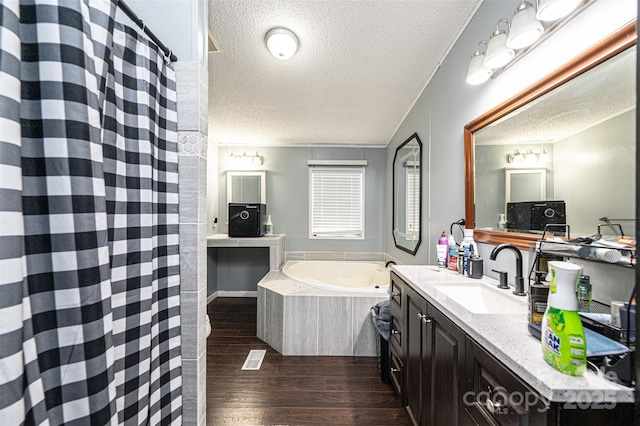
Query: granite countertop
[(506, 337)]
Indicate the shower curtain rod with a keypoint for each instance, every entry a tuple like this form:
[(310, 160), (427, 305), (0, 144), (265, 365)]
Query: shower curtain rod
[(140, 22)]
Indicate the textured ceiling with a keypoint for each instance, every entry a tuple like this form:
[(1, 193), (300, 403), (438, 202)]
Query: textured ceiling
[(591, 98), (360, 66)]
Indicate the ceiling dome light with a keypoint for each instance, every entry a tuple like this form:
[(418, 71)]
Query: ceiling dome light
[(498, 53), (477, 72), (525, 28), (552, 10), (281, 42)]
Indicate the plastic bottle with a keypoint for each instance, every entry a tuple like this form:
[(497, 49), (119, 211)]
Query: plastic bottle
[(442, 249), (268, 226), (563, 343), (452, 258), (502, 222), (584, 294), (469, 246)]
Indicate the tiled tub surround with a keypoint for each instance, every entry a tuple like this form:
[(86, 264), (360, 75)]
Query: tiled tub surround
[(506, 337), (296, 318)]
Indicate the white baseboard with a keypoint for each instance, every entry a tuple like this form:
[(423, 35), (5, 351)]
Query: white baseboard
[(212, 297)]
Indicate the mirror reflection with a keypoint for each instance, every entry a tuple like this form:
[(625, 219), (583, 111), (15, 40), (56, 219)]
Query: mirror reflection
[(572, 148), (407, 205), (246, 187)]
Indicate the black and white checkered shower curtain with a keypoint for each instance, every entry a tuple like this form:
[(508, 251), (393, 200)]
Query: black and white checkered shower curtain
[(89, 264)]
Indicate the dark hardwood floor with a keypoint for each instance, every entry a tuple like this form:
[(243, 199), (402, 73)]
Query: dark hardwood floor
[(292, 390)]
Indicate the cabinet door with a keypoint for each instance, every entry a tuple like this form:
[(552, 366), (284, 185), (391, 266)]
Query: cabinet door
[(497, 396), (443, 371), (414, 342)]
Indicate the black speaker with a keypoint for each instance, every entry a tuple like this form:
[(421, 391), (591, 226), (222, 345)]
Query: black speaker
[(246, 220)]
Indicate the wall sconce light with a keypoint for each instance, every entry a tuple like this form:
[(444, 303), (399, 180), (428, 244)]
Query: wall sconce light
[(525, 32), (498, 53), (552, 10), (477, 72), (281, 42), (247, 159), (525, 27)]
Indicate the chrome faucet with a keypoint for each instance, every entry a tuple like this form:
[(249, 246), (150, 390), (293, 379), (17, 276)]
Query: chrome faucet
[(519, 280)]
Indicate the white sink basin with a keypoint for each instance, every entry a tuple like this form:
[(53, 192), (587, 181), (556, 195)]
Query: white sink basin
[(481, 300)]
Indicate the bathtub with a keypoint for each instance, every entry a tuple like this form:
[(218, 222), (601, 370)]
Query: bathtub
[(348, 276), (321, 307)]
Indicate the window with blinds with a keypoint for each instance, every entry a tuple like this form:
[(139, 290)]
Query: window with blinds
[(336, 202)]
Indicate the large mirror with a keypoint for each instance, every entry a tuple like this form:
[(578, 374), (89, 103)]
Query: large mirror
[(407, 195), (569, 141)]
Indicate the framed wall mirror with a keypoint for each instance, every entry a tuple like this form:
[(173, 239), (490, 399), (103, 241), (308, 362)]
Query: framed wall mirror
[(407, 195), (246, 187), (578, 125)]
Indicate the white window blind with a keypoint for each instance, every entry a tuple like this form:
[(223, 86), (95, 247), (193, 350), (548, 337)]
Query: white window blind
[(336, 202), (413, 203)]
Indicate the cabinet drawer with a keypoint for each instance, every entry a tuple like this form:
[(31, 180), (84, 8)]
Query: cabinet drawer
[(497, 396), (397, 374), (397, 288), (395, 334)]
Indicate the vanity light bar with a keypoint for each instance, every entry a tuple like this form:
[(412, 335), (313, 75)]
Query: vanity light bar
[(480, 65)]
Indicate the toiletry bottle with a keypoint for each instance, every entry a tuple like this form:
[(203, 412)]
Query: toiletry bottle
[(584, 294), (469, 246), (442, 249), (452, 260), (538, 295), (460, 257), (502, 222), (563, 343), (268, 226)]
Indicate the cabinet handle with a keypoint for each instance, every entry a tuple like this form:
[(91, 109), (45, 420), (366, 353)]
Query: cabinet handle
[(395, 370), (425, 319), (495, 407), (395, 332), (394, 295)]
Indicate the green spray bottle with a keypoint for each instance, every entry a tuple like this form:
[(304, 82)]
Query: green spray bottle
[(563, 343)]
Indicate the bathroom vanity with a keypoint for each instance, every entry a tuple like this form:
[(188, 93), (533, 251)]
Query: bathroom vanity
[(461, 354)]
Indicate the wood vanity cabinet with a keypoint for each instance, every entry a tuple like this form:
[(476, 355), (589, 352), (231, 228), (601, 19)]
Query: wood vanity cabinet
[(434, 363), (443, 377)]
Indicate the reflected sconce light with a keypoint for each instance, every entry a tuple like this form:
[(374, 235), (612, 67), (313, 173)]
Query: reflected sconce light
[(522, 34), (528, 157), (525, 27), (544, 156), (516, 157), (477, 72), (281, 42), (498, 53), (552, 10), (247, 159)]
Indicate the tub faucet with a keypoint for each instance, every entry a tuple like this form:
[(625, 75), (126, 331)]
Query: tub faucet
[(519, 281), (391, 262)]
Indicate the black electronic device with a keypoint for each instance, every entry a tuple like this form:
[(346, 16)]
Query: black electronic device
[(246, 219), (534, 215)]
